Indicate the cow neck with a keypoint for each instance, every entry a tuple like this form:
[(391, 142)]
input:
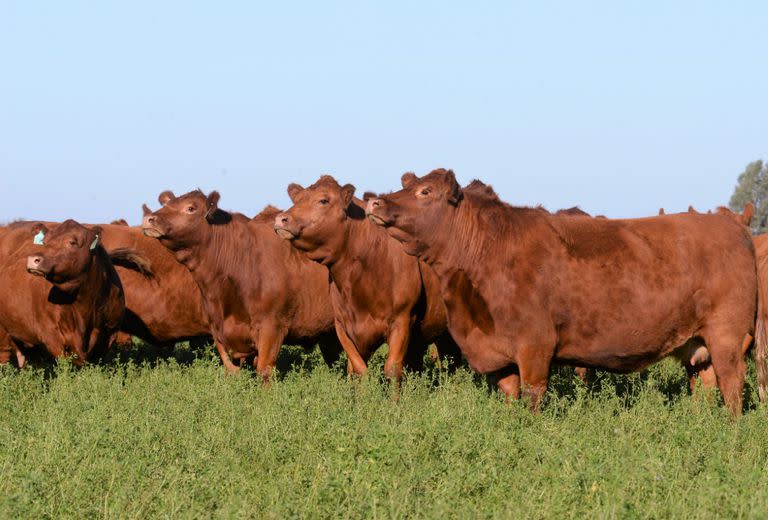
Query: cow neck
[(458, 243), (94, 287), (441, 242), (465, 242), (359, 244), (217, 253)]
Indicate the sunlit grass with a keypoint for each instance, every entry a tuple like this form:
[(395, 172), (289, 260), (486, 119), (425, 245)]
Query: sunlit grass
[(152, 433)]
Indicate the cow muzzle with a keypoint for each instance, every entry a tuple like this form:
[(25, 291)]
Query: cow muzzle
[(282, 221), (149, 227), (35, 266), (372, 207)]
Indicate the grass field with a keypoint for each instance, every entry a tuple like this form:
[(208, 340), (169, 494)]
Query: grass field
[(150, 435)]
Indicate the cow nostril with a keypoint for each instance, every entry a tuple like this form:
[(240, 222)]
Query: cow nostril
[(151, 220), (36, 260), (284, 220), (376, 203)]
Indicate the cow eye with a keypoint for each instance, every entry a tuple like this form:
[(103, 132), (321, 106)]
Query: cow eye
[(424, 192), (190, 209), (72, 242), (323, 201)]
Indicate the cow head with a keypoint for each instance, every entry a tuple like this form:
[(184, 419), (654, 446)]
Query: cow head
[(314, 223), (412, 214), (67, 253), (181, 220)]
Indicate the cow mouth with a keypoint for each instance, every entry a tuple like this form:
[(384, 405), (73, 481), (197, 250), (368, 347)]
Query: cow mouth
[(37, 272), (377, 220), (152, 232), (284, 233)]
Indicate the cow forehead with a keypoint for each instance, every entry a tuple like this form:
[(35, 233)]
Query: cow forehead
[(187, 198), (315, 192), (67, 228)]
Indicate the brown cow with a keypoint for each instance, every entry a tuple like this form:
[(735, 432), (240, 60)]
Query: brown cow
[(329, 225), (761, 357), (527, 289), (73, 305), (257, 290), (163, 303), (694, 356)]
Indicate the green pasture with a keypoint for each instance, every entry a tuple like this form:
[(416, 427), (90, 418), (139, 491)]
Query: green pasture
[(149, 433)]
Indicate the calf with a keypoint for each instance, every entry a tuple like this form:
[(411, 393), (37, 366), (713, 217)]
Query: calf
[(378, 292), (257, 290), (59, 290), (525, 289)]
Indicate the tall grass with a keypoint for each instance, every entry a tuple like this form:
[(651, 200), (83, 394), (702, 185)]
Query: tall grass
[(153, 435)]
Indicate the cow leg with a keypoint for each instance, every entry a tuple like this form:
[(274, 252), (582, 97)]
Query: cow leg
[(224, 355), (55, 349), (122, 339), (269, 342), (728, 365), (582, 373), (508, 383), (534, 363), (77, 348), (6, 349), (21, 359), (693, 376), (355, 362), (398, 338), (708, 379)]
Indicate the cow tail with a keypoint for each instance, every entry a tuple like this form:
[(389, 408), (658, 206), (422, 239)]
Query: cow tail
[(761, 336)]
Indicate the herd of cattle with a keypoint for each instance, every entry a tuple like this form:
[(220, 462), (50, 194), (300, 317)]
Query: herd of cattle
[(512, 290)]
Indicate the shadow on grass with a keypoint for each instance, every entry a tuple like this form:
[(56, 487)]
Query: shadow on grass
[(667, 378)]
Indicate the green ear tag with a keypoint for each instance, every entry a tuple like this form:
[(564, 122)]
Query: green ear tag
[(38, 240), (95, 243)]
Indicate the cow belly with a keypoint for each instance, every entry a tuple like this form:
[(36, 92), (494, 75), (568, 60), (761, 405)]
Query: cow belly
[(484, 353), (625, 347)]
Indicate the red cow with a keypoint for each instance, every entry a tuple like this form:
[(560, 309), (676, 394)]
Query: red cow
[(162, 302), (525, 289), (329, 225), (74, 303), (257, 290)]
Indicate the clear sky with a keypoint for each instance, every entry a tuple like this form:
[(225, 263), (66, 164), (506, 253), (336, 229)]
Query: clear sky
[(619, 107)]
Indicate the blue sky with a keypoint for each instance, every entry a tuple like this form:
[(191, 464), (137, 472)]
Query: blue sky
[(619, 107)]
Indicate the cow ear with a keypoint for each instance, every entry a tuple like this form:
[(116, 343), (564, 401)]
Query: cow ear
[(347, 192), (212, 200), (294, 190), (38, 233), (749, 212), (454, 190), (145, 209), (166, 197), (662, 212), (96, 234), (212, 204), (407, 179)]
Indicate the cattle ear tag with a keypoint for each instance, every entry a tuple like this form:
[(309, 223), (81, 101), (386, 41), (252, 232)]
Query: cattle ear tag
[(95, 243), (38, 239)]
